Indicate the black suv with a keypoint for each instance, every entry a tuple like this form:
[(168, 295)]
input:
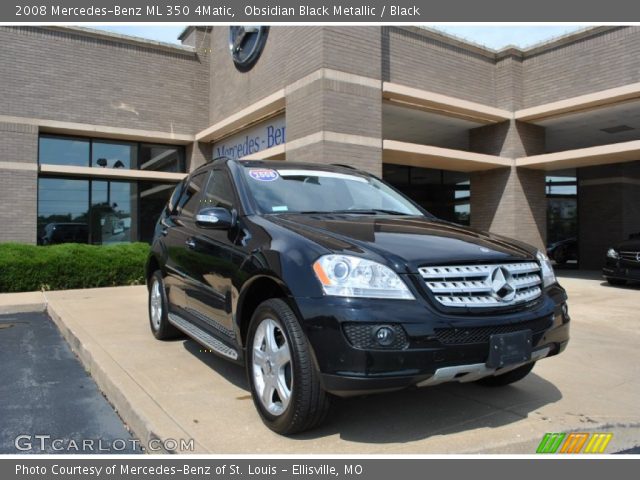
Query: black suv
[(323, 280), (622, 263)]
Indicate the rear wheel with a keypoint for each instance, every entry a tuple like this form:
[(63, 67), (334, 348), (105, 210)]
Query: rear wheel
[(159, 309), (616, 282), (284, 382), (507, 378)]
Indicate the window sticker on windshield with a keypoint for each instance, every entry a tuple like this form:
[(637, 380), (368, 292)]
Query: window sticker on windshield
[(279, 208), (263, 174)]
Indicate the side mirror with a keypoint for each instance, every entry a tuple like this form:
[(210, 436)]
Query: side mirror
[(215, 217)]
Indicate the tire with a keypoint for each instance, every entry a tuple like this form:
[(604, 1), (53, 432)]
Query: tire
[(616, 282), (560, 256), (507, 378), (159, 309), (285, 384)]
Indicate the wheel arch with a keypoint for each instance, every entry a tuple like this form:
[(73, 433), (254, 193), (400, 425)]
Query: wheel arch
[(259, 289)]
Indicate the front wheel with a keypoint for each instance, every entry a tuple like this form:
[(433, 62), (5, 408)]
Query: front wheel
[(285, 384), (507, 378), (616, 282)]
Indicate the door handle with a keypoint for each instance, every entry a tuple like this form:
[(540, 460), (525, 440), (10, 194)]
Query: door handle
[(191, 243)]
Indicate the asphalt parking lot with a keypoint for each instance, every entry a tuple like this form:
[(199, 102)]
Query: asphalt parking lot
[(47, 395), (176, 390)]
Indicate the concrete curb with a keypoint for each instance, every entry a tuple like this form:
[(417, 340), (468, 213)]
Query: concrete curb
[(25, 308), (24, 302), (139, 411)]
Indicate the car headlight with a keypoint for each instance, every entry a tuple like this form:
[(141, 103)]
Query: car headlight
[(548, 277), (347, 276), (611, 253)]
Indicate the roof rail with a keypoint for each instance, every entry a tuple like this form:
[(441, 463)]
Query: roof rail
[(215, 159), (343, 165)]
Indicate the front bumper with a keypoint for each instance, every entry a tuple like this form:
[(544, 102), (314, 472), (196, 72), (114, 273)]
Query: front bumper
[(621, 270), (428, 357)]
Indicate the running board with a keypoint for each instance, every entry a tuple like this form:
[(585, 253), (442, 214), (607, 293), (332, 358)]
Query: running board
[(202, 337)]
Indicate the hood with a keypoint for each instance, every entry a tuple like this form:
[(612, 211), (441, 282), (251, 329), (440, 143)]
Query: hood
[(629, 245), (405, 242)]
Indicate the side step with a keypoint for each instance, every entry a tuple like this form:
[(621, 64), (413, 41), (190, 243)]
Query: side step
[(203, 337)]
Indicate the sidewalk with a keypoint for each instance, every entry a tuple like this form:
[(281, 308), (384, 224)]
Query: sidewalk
[(175, 390)]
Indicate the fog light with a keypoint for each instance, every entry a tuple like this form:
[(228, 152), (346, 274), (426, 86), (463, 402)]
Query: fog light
[(385, 336), (565, 311)]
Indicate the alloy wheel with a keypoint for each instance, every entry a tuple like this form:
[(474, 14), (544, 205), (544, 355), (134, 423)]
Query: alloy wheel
[(271, 367), (156, 304)]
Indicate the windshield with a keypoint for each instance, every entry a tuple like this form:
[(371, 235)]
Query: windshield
[(316, 191)]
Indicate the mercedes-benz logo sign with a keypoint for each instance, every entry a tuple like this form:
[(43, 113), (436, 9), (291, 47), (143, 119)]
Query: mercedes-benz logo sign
[(502, 284), (245, 44), (638, 257)]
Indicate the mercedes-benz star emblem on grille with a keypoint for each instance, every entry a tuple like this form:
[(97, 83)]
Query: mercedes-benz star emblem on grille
[(638, 257), (501, 284)]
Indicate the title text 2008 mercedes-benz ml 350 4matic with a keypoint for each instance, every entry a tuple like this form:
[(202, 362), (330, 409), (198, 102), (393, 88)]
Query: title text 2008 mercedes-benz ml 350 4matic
[(324, 281)]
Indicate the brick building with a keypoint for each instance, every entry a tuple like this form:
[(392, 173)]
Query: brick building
[(541, 144)]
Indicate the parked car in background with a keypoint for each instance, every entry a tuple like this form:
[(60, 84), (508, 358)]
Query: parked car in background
[(65, 233), (622, 263), (563, 251), (324, 281)]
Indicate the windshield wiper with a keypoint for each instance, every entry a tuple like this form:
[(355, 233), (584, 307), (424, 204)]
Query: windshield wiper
[(355, 211)]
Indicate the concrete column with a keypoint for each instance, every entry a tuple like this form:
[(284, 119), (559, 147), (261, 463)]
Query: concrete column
[(510, 201), (196, 154), (608, 209), (334, 115), (18, 182)]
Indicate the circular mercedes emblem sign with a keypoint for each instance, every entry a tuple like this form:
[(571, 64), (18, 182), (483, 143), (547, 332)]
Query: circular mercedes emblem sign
[(246, 43), (638, 257), (502, 284)]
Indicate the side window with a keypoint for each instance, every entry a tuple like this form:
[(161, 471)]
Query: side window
[(189, 202), (173, 201), (219, 191)]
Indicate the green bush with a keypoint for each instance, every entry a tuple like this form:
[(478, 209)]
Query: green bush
[(26, 268)]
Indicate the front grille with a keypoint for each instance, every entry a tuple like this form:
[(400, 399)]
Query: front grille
[(497, 285), (630, 256), (460, 336), (363, 336)]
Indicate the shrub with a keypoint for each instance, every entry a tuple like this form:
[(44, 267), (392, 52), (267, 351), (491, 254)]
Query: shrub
[(60, 267)]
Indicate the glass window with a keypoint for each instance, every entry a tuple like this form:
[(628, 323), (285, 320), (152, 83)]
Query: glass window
[(219, 192), (562, 217), (63, 211), (445, 193), (189, 202), (304, 190), (84, 152), (113, 155), (64, 151), (172, 204), (153, 198), (112, 204), (161, 158)]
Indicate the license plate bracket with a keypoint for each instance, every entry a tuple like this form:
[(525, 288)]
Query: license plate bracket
[(509, 349)]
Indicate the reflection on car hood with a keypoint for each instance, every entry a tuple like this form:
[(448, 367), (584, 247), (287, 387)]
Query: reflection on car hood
[(629, 246), (405, 241)]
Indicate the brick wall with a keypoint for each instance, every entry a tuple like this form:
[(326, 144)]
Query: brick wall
[(289, 54), (510, 201), (18, 182), (71, 77), (422, 59), (605, 59)]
